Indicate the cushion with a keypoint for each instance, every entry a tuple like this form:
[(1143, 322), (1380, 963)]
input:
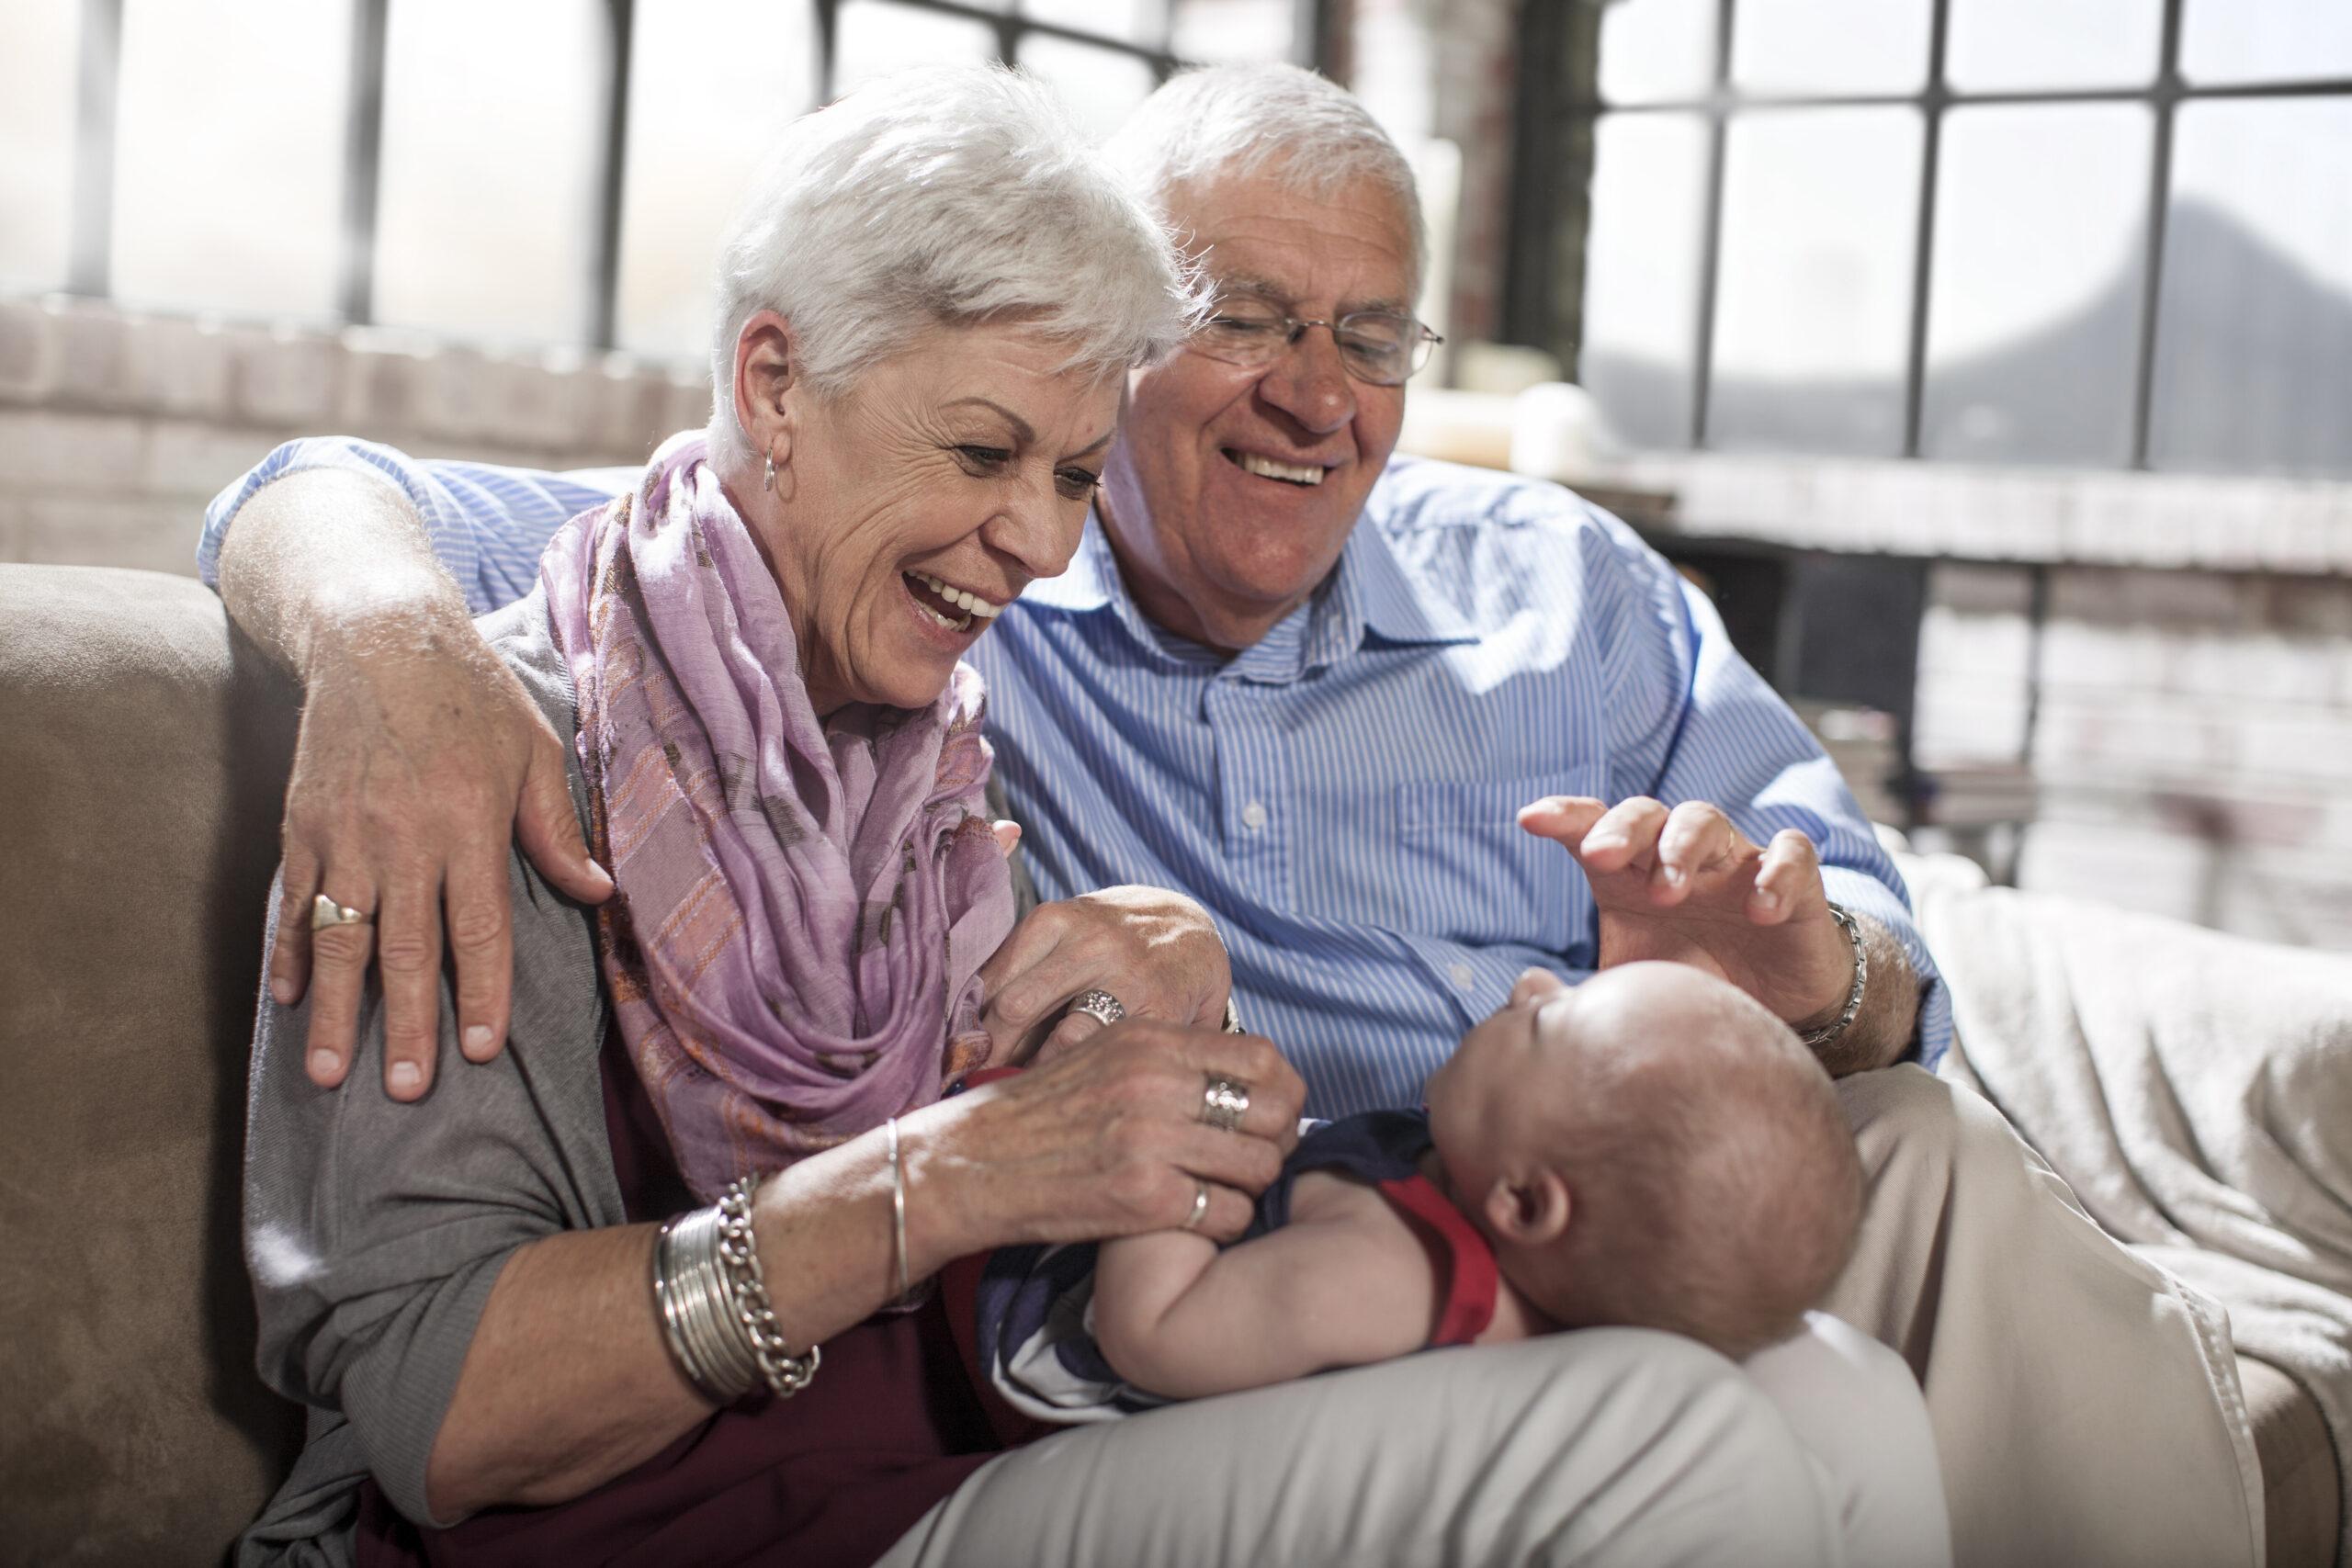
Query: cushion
[(142, 759)]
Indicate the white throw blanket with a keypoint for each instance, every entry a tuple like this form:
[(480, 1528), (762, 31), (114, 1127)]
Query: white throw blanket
[(2194, 1088)]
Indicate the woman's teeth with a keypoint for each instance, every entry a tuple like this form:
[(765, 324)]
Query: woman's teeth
[(972, 604), (1266, 467), (951, 626)]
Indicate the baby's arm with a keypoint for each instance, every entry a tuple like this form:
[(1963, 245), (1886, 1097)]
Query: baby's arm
[(1346, 1283)]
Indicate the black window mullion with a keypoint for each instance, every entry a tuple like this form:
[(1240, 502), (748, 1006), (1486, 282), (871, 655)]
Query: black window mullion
[(605, 251), (1306, 34), (363, 159), (1702, 360), (90, 259), (2166, 102), (1010, 27), (1932, 105), (827, 37)]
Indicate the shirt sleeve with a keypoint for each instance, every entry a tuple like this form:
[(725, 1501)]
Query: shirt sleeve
[(1692, 720), (488, 525)]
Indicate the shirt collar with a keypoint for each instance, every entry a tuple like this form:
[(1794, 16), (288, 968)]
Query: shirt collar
[(1369, 591)]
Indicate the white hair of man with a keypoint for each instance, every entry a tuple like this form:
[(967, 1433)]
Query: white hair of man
[(948, 196), (1230, 121)]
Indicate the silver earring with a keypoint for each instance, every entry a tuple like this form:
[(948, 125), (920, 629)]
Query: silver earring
[(769, 482)]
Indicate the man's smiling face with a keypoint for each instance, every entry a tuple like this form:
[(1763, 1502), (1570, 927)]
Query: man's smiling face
[(1231, 490)]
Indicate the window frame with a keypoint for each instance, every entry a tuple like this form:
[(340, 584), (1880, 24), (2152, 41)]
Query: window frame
[(1563, 109), (99, 58)]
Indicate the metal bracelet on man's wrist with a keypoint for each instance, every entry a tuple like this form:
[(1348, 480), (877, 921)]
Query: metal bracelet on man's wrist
[(1815, 1039)]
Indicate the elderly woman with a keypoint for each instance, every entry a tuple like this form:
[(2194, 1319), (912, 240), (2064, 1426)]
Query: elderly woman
[(932, 298), (555, 1314)]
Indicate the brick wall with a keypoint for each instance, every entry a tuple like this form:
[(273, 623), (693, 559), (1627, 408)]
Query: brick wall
[(116, 428), (2193, 747)]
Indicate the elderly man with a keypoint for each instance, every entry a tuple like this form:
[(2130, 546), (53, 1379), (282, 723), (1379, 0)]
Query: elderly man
[(1313, 686)]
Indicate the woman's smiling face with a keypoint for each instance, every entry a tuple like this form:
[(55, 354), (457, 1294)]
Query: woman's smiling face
[(916, 505)]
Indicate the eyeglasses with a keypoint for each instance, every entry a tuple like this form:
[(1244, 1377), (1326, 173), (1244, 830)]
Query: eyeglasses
[(1378, 346)]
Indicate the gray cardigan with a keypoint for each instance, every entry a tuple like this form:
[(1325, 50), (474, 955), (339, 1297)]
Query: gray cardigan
[(374, 1231)]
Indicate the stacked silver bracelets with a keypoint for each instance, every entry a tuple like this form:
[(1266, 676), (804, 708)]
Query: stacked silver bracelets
[(713, 1301)]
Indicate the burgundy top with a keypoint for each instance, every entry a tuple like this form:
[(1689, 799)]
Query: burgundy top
[(833, 1476)]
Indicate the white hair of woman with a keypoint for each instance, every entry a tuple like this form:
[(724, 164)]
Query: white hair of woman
[(1230, 121), (945, 196)]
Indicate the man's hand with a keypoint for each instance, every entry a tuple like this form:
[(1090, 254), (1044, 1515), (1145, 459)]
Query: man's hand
[(420, 757), (1157, 952), (1687, 886)]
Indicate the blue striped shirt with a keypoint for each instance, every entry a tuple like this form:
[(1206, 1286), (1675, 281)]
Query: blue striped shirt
[(1341, 795)]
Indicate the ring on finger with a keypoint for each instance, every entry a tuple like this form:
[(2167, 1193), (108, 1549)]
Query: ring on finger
[(1200, 1204), (1224, 1104), (325, 912), (1100, 1005)]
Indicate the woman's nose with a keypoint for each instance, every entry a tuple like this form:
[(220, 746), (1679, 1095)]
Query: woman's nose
[(1039, 528)]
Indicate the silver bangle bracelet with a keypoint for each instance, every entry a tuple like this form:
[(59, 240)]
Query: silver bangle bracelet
[(898, 1212), (713, 1301), (691, 1296)]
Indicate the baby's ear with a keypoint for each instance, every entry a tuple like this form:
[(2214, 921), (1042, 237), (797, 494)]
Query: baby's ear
[(1531, 1211)]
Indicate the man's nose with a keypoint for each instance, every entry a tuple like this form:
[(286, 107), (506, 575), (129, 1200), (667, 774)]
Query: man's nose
[(1310, 382)]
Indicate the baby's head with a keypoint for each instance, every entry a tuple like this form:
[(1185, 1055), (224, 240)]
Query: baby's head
[(1653, 1148)]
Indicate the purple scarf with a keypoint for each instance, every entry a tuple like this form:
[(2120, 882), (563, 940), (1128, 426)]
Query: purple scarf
[(803, 908)]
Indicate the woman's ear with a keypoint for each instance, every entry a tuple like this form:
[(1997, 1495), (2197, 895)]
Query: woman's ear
[(767, 372), (1530, 1210)]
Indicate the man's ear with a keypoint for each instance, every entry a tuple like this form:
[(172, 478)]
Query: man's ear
[(1529, 1209), (767, 371)]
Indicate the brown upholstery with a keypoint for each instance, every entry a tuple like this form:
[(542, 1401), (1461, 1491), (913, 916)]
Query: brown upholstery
[(142, 761), (2300, 1480), (142, 756)]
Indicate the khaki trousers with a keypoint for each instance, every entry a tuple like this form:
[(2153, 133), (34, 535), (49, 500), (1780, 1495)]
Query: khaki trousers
[(2085, 1405), (1610, 1446)]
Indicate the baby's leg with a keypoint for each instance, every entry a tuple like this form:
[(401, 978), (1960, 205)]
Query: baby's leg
[(1854, 1405)]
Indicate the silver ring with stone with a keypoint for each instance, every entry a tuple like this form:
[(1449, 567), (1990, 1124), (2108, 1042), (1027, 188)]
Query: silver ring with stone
[(1224, 1104), (1099, 1005), (1200, 1204), (325, 912)]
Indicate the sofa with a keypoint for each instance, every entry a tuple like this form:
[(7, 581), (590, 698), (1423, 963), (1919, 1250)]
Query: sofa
[(143, 749)]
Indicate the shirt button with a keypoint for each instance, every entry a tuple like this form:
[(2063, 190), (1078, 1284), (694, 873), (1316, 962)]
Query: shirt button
[(1253, 815), (1465, 977)]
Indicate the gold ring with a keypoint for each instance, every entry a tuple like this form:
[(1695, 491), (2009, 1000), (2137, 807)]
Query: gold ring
[(1200, 1204), (325, 912)]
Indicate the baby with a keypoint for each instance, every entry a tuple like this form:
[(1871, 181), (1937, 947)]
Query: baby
[(1650, 1148)]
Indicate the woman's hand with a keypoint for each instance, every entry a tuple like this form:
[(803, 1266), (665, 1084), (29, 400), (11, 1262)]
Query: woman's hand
[(1157, 952), (1097, 1144)]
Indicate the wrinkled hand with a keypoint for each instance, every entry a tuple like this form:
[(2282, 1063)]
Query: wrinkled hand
[(1687, 886), (1157, 952), (1097, 1144), (421, 757)]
